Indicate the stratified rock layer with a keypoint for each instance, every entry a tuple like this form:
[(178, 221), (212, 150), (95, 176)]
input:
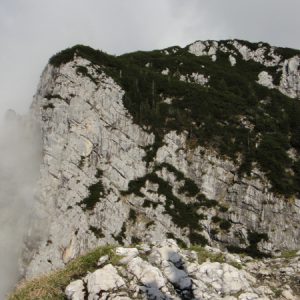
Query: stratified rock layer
[(96, 187)]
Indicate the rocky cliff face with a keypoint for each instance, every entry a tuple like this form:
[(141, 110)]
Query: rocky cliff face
[(287, 68), (109, 176)]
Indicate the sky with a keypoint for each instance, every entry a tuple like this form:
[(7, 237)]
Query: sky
[(31, 31)]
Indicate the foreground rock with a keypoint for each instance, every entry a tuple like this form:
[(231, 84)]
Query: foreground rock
[(164, 271)]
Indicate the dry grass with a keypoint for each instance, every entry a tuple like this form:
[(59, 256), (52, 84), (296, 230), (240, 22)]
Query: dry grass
[(205, 255), (52, 286)]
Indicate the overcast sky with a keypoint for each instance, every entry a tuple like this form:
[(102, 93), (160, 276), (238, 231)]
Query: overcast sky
[(33, 30)]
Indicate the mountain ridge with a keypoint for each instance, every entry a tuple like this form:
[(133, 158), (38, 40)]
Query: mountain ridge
[(182, 144)]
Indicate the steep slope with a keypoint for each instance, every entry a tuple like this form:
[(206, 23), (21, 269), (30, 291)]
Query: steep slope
[(199, 144)]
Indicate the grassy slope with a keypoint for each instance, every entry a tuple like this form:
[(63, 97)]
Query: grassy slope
[(52, 286)]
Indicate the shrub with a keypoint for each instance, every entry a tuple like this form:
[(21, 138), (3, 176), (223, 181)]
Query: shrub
[(132, 215), (96, 191), (225, 225), (97, 232), (189, 188)]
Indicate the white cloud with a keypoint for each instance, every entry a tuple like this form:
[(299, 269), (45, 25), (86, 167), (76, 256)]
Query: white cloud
[(33, 30)]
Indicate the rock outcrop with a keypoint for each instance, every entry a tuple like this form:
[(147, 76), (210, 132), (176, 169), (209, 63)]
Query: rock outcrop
[(288, 68), (164, 271)]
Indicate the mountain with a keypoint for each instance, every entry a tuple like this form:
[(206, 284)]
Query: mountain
[(199, 144)]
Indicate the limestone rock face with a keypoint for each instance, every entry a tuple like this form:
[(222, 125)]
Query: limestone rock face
[(96, 188), (265, 79), (265, 55), (85, 128), (289, 83), (162, 270)]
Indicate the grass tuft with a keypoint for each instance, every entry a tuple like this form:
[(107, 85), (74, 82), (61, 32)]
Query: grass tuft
[(52, 286)]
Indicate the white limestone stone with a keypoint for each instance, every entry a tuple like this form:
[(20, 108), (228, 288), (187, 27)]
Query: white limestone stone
[(75, 290), (105, 279), (198, 48), (224, 278), (147, 274), (290, 79), (250, 296), (288, 295), (265, 79), (102, 260), (232, 60), (165, 71), (128, 253), (177, 277)]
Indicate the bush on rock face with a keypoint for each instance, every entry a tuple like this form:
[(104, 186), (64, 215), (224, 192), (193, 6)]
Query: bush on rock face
[(211, 115)]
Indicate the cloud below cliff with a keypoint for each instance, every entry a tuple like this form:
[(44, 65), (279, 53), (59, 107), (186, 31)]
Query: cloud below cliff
[(19, 169)]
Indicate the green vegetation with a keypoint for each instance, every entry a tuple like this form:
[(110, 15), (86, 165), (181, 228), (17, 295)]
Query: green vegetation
[(132, 215), (121, 235), (204, 255), (178, 174), (225, 225), (149, 224), (97, 232), (180, 242), (197, 238), (212, 116), (204, 202), (96, 191), (84, 72), (183, 215), (52, 286), (252, 250), (287, 52), (290, 254), (81, 162), (189, 188), (48, 105), (53, 96), (148, 203), (277, 292)]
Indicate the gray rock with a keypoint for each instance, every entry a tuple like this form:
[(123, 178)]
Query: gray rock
[(75, 290), (105, 279), (102, 260), (128, 253), (155, 276), (87, 128)]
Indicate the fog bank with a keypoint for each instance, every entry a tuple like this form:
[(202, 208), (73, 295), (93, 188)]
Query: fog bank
[(19, 169)]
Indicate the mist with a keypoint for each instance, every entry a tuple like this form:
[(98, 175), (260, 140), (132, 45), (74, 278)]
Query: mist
[(19, 170)]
